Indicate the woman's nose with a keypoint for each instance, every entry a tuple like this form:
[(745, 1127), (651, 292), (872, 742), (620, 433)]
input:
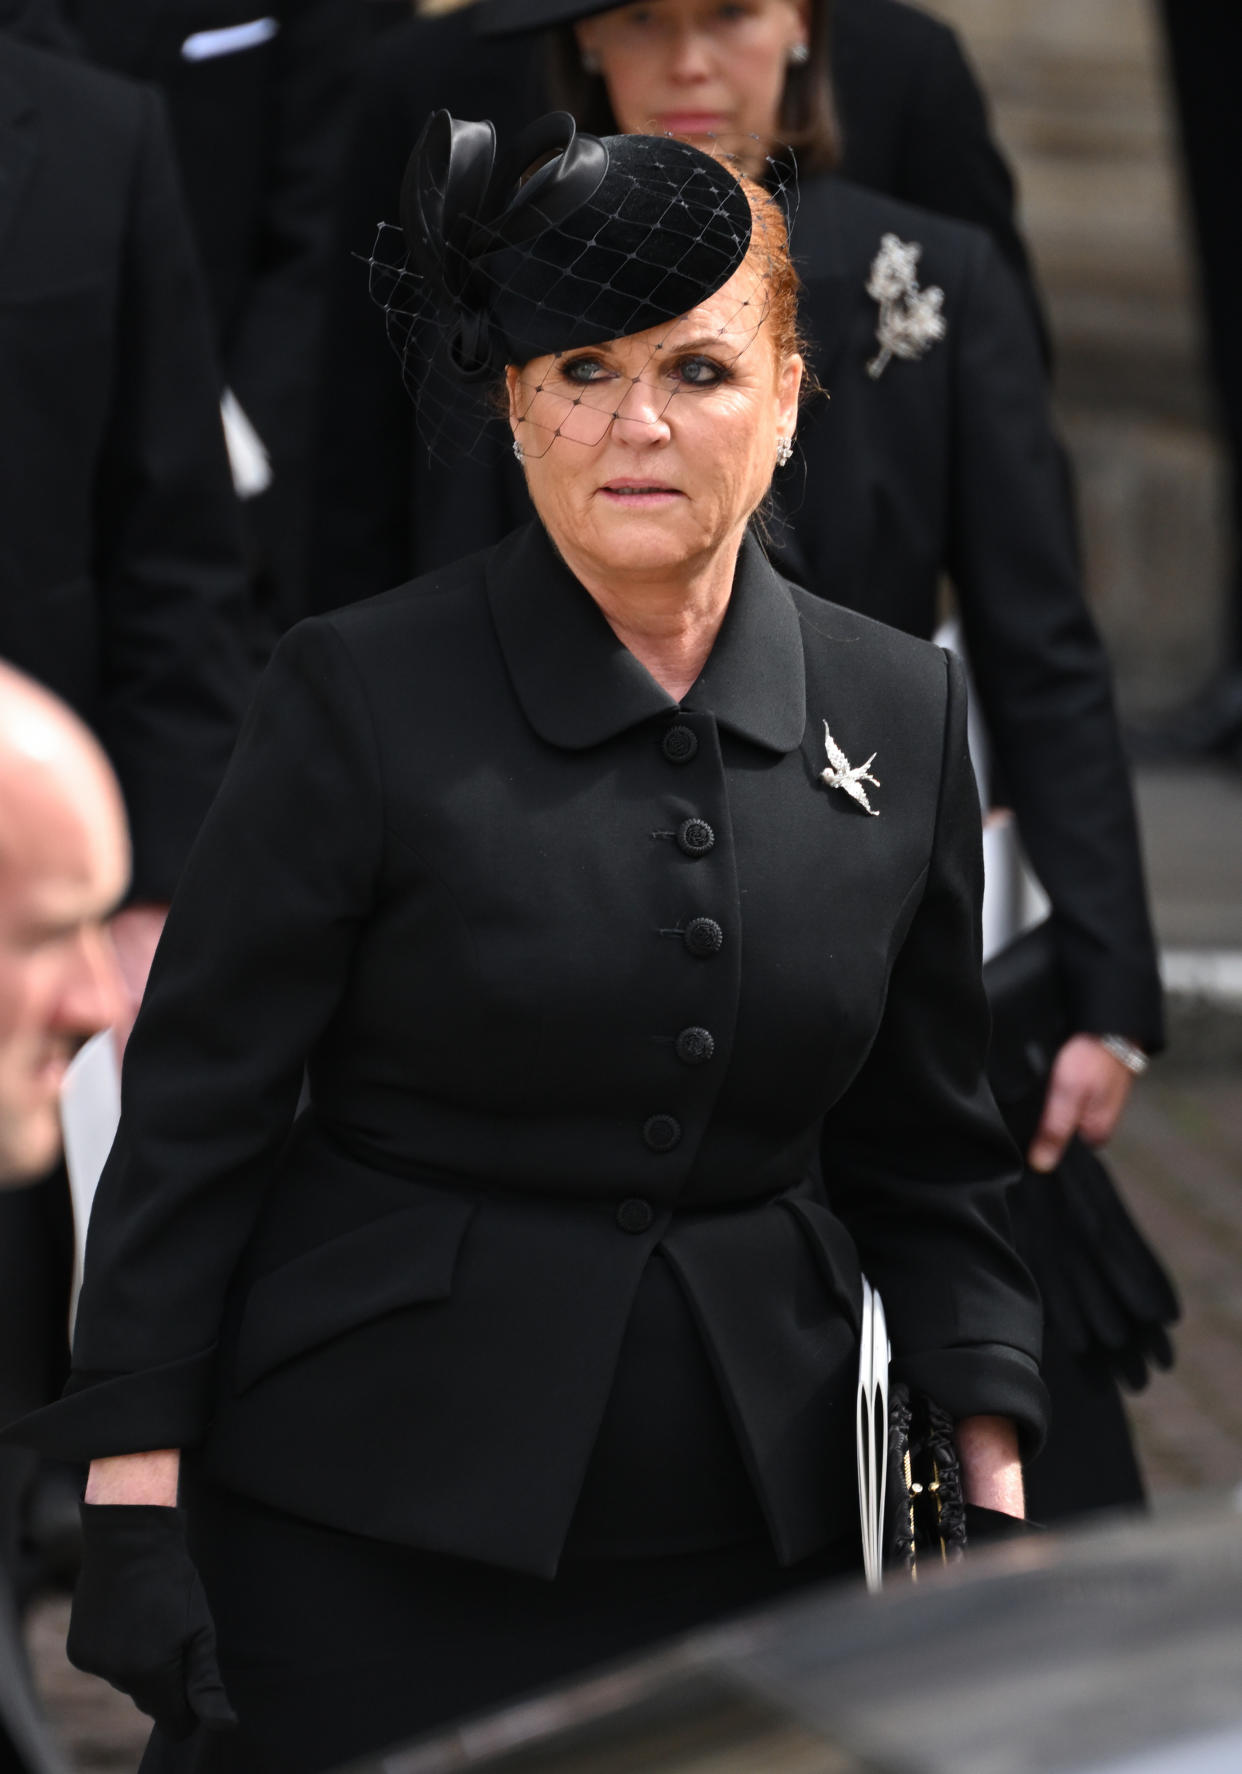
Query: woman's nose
[(641, 413), (691, 53)]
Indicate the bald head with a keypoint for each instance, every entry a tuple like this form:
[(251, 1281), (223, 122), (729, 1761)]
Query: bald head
[(64, 865)]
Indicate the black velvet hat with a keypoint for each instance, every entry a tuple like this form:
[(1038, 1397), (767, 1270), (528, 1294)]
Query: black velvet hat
[(509, 18), (607, 237)]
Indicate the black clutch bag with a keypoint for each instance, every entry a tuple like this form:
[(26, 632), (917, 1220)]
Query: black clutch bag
[(929, 1521), (1105, 1290), (912, 1504), (926, 1507)]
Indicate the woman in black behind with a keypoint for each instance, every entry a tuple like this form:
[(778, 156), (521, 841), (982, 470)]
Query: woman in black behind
[(639, 1017)]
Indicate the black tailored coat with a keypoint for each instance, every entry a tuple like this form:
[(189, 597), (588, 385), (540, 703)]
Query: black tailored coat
[(551, 1027), (122, 585), (257, 123)]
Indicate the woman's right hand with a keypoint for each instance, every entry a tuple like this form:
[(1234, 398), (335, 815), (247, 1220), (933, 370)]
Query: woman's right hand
[(140, 1617)]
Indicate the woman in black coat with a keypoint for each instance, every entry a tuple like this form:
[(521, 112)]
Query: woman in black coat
[(639, 1019), (934, 461)]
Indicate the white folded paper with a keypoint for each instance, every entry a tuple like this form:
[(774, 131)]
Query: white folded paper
[(90, 1107), (872, 1424)]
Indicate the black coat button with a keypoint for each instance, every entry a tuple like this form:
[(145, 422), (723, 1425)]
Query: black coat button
[(662, 1132), (679, 744), (703, 936), (695, 837), (635, 1215), (694, 1047)]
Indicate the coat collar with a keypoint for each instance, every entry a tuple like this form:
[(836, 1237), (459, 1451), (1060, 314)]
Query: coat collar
[(578, 685)]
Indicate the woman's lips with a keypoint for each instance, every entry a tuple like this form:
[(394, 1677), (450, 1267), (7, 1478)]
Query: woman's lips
[(639, 493), (692, 123)]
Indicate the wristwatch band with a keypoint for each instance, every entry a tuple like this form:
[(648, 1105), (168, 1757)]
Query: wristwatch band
[(1132, 1058)]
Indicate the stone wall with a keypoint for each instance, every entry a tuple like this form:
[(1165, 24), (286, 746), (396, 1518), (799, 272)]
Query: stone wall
[(1081, 105)]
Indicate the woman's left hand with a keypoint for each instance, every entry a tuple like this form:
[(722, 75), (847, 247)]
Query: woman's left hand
[(141, 1620), (1087, 1092), (991, 1467)]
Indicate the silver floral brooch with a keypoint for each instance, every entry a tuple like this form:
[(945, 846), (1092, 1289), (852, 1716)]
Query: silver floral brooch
[(850, 777), (910, 320)]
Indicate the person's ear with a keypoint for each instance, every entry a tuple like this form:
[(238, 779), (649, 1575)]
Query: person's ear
[(587, 33), (788, 387)]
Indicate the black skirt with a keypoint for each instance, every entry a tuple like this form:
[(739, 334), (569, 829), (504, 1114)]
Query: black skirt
[(333, 1646)]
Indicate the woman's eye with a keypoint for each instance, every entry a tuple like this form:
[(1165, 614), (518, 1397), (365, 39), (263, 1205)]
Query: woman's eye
[(701, 372), (583, 369)]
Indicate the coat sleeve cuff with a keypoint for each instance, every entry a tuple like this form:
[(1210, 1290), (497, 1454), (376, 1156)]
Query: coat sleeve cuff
[(982, 1380), (101, 1414), (1131, 1005)]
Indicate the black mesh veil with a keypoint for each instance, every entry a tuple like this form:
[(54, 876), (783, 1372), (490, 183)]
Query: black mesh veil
[(563, 241)]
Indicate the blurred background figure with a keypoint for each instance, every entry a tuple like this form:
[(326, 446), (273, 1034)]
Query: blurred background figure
[(256, 96), (1205, 51), (64, 866), (122, 580)]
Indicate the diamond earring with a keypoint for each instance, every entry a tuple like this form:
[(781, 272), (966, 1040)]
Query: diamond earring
[(590, 62), (784, 450), (519, 454), (799, 55)]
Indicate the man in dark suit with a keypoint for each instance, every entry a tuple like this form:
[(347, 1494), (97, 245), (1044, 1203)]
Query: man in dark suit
[(255, 98), (122, 584), (123, 587)]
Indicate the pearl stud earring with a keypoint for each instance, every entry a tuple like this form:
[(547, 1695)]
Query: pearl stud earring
[(784, 450)]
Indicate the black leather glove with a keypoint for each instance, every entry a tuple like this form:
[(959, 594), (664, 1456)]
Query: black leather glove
[(987, 1527), (140, 1618), (1106, 1293), (1105, 1290)]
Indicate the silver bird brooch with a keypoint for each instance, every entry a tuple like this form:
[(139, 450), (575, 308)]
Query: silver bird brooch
[(850, 777)]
